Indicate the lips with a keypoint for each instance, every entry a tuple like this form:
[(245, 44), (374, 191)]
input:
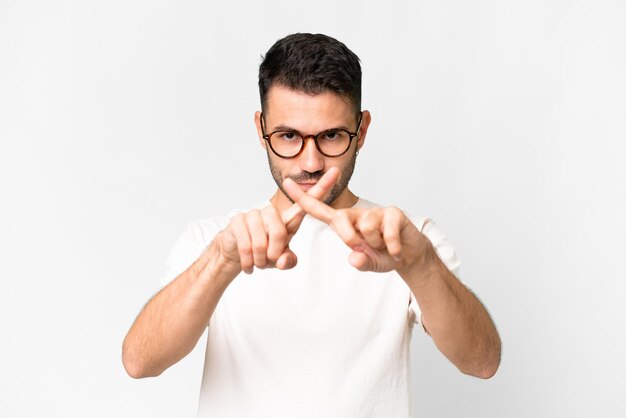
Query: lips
[(306, 186)]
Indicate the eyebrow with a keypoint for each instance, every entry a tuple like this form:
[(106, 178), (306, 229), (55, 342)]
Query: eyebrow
[(290, 129)]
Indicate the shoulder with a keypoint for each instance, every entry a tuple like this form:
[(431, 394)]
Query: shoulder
[(190, 245), (204, 230)]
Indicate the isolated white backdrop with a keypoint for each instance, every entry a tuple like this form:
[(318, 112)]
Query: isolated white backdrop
[(122, 121)]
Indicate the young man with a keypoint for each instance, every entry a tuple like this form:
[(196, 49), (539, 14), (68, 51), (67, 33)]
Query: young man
[(320, 323)]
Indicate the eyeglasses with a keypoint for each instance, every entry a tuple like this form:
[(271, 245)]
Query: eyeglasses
[(290, 143)]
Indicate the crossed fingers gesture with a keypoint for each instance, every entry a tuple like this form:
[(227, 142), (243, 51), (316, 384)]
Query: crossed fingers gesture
[(381, 239)]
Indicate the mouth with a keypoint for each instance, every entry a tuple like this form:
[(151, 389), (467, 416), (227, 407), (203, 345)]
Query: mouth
[(306, 186)]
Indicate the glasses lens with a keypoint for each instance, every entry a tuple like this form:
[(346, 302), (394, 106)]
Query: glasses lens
[(333, 142), (286, 144)]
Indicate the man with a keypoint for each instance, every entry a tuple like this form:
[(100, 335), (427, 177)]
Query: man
[(320, 323)]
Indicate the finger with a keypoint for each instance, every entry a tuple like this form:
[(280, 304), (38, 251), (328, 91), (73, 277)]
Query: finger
[(343, 224), (308, 203), (258, 237), (244, 246), (319, 191), (393, 221), (370, 226), (295, 219), (276, 233), (360, 261), (287, 260)]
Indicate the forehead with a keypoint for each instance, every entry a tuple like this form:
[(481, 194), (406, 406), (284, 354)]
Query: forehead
[(305, 111)]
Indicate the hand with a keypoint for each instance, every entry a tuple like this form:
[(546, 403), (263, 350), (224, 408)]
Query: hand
[(260, 238), (381, 239)]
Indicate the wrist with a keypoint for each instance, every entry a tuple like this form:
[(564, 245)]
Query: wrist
[(422, 265), (215, 266)]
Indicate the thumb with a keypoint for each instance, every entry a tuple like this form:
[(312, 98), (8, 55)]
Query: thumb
[(287, 260), (360, 261)]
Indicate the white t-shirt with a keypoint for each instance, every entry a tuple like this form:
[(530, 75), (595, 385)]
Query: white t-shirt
[(320, 340)]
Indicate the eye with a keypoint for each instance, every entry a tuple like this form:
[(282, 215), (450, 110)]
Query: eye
[(331, 135), (288, 136)]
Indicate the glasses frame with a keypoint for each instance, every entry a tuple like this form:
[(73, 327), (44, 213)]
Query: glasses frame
[(352, 135)]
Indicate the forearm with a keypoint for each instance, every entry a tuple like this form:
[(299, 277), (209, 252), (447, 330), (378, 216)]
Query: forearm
[(454, 317), (173, 321)]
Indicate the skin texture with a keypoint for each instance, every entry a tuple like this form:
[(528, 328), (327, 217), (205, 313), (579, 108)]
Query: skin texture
[(382, 239)]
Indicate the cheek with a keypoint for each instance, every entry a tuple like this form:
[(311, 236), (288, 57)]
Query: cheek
[(289, 167), (344, 164), (281, 168)]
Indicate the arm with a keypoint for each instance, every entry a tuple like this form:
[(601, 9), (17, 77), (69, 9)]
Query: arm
[(458, 323), (173, 321), (384, 239)]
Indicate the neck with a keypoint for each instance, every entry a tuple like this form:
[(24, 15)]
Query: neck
[(346, 199)]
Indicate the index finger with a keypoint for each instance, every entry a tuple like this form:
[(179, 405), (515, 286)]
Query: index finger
[(309, 203), (318, 191)]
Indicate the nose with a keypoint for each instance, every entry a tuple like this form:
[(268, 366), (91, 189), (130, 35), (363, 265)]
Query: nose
[(311, 159)]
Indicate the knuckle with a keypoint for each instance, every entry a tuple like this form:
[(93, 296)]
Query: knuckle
[(245, 248), (368, 226), (352, 238), (369, 222), (391, 234), (353, 242), (269, 212), (373, 212), (394, 211), (238, 219), (278, 234), (253, 215)]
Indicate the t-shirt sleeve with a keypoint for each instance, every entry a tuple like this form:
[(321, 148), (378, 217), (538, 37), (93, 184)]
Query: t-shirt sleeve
[(189, 247), (446, 253)]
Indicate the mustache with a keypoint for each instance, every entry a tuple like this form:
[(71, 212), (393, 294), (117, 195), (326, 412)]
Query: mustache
[(306, 177)]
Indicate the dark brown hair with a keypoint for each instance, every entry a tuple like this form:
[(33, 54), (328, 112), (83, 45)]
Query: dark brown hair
[(311, 63)]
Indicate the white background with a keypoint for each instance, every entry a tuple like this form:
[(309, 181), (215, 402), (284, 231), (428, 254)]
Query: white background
[(122, 121)]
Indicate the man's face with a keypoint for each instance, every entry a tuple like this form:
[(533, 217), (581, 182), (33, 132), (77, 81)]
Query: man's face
[(309, 115)]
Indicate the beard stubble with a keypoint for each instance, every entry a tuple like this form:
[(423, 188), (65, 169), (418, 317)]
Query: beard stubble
[(305, 176)]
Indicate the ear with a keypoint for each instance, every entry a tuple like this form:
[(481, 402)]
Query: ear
[(257, 122), (366, 119)]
